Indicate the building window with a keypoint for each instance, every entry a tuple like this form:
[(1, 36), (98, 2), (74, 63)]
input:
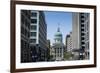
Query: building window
[(82, 38), (22, 44), (22, 30), (22, 19), (87, 36), (82, 29), (88, 45), (82, 16), (33, 27), (82, 25), (28, 34), (87, 26), (55, 50), (33, 14), (83, 47), (33, 40), (83, 42), (33, 34), (27, 24), (82, 34), (34, 21), (82, 21)]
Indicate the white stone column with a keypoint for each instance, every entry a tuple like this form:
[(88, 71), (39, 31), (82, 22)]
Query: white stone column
[(62, 51), (56, 53), (59, 53)]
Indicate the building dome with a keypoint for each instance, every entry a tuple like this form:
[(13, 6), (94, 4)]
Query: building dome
[(58, 47), (58, 36)]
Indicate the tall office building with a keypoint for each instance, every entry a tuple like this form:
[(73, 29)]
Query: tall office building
[(33, 36), (80, 35), (69, 42), (85, 21), (58, 47), (25, 34), (38, 36), (68, 49), (76, 35), (49, 48)]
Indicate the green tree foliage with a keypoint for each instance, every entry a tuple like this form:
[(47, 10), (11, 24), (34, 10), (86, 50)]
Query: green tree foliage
[(67, 55)]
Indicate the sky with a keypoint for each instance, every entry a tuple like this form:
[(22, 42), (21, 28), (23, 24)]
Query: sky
[(55, 20)]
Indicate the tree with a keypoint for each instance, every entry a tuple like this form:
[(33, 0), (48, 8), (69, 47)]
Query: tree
[(67, 55)]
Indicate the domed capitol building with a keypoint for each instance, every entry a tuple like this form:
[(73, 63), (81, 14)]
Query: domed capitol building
[(58, 47)]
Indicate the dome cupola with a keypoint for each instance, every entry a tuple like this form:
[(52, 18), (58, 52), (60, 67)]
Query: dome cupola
[(58, 36)]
